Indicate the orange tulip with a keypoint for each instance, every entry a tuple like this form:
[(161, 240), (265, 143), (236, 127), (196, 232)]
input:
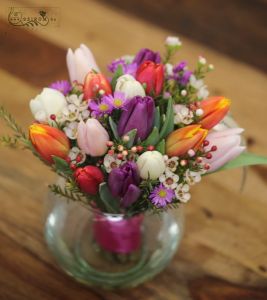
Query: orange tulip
[(49, 141), (215, 109), (184, 139), (94, 83)]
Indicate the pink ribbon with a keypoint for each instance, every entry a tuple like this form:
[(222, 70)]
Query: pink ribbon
[(116, 234)]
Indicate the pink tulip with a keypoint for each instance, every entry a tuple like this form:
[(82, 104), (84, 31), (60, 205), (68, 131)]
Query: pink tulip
[(92, 137), (80, 62), (228, 147)]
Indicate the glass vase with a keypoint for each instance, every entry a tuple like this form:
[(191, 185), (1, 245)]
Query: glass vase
[(110, 251)]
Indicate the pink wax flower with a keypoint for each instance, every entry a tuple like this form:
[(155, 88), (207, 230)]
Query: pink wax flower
[(228, 147)]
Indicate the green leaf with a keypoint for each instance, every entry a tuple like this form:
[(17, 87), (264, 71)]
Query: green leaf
[(131, 134), (117, 74), (244, 159), (113, 127), (111, 203), (161, 147), (153, 138), (169, 121), (62, 166), (157, 118)]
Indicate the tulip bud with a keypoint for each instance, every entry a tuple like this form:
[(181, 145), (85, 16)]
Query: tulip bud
[(214, 110), (80, 62), (94, 84), (183, 139), (123, 183), (129, 86), (151, 165), (138, 114), (146, 54), (152, 75), (49, 141), (228, 147), (49, 102), (92, 137), (89, 179)]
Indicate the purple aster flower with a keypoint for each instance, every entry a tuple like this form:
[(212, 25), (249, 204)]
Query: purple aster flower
[(100, 108), (185, 77), (62, 86), (180, 67), (127, 68), (118, 100), (161, 196)]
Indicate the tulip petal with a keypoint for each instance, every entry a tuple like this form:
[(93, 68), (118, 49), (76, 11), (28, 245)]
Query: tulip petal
[(115, 180), (71, 65), (90, 60), (132, 194), (233, 153), (225, 132)]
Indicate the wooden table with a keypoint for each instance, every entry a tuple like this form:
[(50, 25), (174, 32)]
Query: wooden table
[(224, 252)]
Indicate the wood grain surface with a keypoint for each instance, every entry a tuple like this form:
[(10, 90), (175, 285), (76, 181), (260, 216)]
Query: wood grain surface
[(224, 251)]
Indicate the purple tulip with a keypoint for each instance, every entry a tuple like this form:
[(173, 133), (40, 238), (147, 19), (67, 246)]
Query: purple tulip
[(138, 114), (146, 54), (123, 183), (228, 143)]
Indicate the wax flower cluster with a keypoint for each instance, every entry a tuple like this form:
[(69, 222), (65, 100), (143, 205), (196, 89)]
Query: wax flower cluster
[(136, 139)]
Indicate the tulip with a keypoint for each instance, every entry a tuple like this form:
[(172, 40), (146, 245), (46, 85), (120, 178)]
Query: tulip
[(80, 62), (215, 109), (146, 54), (151, 165), (152, 75), (49, 102), (138, 114), (49, 141), (123, 183), (92, 137), (129, 86), (184, 139), (95, 84), (228, 147), (89, 179)]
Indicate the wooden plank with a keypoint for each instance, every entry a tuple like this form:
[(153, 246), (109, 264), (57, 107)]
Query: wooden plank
[(226, 231)]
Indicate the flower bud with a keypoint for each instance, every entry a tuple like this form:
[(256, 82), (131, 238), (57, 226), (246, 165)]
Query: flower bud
[(49, 102), (151, 165), (214, 110), (183, 139), (94, 84), (80, 62), (152, 75), (129, 86), (89, 179), (92, 137), (49, 141)]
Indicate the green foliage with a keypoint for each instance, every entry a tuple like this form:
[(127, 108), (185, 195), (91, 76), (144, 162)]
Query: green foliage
[(131, 134), (161, 147), (61, 166), (118, 73), (168, 125), (244, 159), (110, 203), (114, 130), (157, 118)]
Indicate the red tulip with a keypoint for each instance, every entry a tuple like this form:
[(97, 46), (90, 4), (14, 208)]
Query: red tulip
[(88, 179), (215, 109), (152, 75), (184, 139), (49, 141), (94, 84)]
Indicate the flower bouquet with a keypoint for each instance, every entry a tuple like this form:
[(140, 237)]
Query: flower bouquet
[(130, 144)]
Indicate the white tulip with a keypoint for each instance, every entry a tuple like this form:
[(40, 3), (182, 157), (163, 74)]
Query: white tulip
[(151, 165), (80, 62), (49, 102), (129, 86)]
